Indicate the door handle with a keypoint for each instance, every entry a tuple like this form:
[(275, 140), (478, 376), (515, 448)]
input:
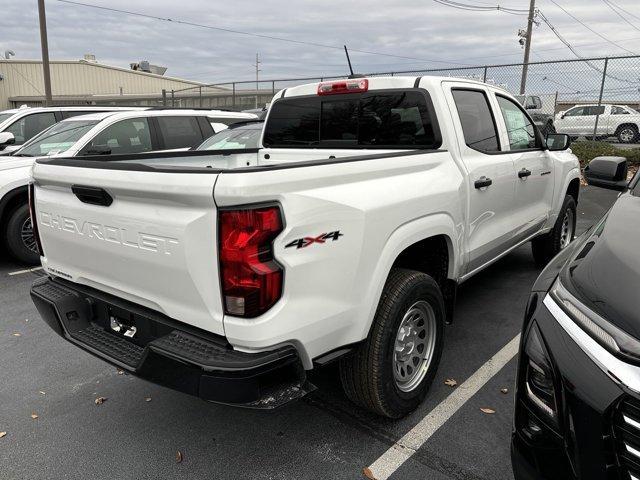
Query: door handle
[(483, 182), (524, 173)]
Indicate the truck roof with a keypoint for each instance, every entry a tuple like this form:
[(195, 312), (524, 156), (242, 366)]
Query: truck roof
[(380, 83)]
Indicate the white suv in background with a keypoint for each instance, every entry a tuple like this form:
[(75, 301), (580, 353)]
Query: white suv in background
[(102, 133), (19, 125), (618, 121)]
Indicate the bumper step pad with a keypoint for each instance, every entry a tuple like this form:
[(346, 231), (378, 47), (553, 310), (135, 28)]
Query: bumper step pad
[(112, 346)]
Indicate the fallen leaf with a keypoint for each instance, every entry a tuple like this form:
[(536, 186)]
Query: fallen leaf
[(34, 415), (2, 434), (504, 390), (100, 400), (178, 456), (148, 399), (450, 382), (17, 334), (41, 392), (368, 473), (488, 411)]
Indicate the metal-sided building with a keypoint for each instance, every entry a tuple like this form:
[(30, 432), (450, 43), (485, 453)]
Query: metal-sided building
[(82, 82)]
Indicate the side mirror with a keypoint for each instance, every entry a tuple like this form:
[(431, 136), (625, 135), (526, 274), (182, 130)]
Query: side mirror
[(607, 172), (6, 138), (557, 141)]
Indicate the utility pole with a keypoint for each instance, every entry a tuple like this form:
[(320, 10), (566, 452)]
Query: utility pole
[(258, 62), (45, 53), (527, 46)]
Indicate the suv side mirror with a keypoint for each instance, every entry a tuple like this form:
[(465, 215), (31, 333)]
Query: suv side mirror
[(607, 172), (6, 138), (557, 141)]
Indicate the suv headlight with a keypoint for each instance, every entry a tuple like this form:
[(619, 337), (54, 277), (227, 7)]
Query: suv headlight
[(612, 338), (538, 374)]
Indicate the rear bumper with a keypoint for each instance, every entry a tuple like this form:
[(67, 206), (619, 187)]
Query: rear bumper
[(167, 352)]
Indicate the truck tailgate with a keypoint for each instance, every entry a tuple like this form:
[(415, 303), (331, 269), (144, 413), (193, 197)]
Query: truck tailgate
[(154, 244)]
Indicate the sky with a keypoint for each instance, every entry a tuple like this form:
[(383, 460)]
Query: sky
[(432, 34)]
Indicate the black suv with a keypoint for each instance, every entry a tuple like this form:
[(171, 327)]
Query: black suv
[(577, 412)]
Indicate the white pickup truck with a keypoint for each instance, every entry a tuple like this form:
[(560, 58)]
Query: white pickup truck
[(371, 201)]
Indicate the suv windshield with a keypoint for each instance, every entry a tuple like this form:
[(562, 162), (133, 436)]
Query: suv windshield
[(234, 138), (4, 116), (57, 139)]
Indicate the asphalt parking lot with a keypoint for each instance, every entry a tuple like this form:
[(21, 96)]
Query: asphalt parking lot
[(138, 430)]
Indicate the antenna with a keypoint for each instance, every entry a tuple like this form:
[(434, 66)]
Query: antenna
[(348, 59)]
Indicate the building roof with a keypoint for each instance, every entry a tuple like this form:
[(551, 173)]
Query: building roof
[(104, 66)]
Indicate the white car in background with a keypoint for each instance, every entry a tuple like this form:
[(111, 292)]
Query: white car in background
[(19, 125), (618, 121), (104, 133)]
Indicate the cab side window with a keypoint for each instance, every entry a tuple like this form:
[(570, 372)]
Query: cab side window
[(575, 112), (619, 111), (179, 131), (126, 136), (478, 125), (30, 125), (520, 130)]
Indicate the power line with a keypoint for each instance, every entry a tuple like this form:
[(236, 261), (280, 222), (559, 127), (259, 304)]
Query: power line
[(623, 10), (611, 6), (251, 34), (591, 29), (481, 8), (573, 50)]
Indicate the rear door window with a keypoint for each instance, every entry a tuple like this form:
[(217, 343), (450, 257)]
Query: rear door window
[(594, 110), (395, 119), (30, 125), (179, 132), (478, 126)]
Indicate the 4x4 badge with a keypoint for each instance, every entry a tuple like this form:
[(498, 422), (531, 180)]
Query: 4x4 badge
[(322, 238)]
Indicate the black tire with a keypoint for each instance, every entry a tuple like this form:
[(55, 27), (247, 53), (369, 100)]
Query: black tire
[(546, 247), (367, 374), (15, 245), (627, 134)]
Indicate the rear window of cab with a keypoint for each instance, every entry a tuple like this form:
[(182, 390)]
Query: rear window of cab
[(378, 119)]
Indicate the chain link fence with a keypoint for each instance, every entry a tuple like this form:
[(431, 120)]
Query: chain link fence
[(551, 87)]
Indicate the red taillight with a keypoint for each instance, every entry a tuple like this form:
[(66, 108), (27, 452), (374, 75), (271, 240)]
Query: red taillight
[(344, 86), (250, 276), (32, 214)]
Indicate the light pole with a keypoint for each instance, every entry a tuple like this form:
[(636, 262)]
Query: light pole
[(45, 53), (258, 62)]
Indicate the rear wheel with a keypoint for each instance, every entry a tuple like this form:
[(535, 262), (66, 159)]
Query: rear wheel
[(390, 373), (627, 134), (21, 241), (546, 247)]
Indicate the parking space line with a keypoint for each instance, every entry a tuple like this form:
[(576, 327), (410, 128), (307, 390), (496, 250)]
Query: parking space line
[(28, 270), (404, 448)]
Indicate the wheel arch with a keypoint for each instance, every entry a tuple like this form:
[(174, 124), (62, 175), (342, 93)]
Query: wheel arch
[(10, 201), (573, 188), (434, 237)]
